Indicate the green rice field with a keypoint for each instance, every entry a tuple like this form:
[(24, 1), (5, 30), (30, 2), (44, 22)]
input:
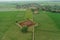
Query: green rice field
[(48, 25)]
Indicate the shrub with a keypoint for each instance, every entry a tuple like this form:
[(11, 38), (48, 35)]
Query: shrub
[(24, 29)]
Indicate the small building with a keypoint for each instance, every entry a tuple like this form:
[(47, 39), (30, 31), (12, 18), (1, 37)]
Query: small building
[(35, 10)]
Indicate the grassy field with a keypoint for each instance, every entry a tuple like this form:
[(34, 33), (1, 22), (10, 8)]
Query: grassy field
[(55, 17), (8, 28), (48, 25), (47, 28)]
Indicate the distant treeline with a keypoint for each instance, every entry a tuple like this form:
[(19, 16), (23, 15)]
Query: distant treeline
[(51, 8)]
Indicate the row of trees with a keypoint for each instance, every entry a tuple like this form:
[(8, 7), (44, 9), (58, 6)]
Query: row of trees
[(51, 8), (27, 5)]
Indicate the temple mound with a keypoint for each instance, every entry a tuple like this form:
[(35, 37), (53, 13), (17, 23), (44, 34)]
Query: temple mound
[(28, 23)]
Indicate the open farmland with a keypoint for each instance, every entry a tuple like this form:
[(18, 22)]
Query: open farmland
[(8, 28), (48, 22), (48, 28), (55, 17)]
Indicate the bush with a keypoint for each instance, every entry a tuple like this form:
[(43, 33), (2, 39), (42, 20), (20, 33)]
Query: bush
[(24, 29)]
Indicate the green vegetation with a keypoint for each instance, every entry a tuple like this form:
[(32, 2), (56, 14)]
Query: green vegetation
[(8, 28), (29, 14), (46, 29), (24, 29), (48, 23), (55, 17)]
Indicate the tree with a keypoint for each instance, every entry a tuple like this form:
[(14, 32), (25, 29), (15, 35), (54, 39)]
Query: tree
[(24, 29)]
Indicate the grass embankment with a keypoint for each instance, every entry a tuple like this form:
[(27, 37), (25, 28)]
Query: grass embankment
[(29, 14)]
